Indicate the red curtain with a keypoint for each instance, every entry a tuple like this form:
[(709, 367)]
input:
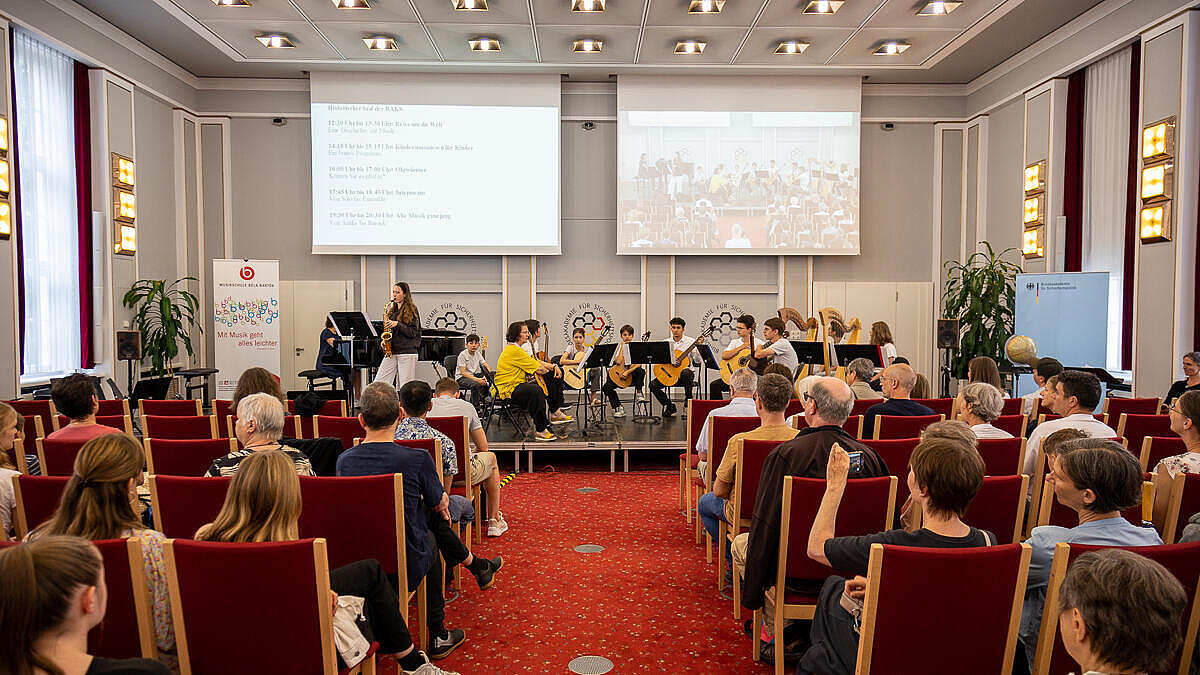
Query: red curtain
[(1073, 174), (1131, 211), (18, 234), (83, 201)]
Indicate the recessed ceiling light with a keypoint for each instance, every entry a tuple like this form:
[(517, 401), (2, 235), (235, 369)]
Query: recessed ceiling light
[(588, 46), (823, 6), (587, 5), (470, 5), (705, 6), (351, 4), (276, 41), (938, 8), (380, 43), (484, 44), (231, 3), (791, 47), (690, 47), (891, 48)]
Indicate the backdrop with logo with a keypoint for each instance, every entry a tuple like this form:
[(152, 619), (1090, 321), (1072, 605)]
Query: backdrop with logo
[(245, 319), (1066, 314)]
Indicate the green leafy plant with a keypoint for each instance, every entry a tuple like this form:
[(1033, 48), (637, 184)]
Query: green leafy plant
[(981, 292), (164, 314)]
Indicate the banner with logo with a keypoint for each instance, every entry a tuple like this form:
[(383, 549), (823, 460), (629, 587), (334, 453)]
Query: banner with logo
[(245, 319)]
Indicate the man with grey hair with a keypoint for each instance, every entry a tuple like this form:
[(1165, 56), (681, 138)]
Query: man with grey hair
[(898, 381), (979, 404), (858, 375), (743, 384), (259, 427)]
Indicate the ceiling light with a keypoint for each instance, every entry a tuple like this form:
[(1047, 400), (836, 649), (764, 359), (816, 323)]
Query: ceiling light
[(938, 8), (705, 6), (351, 4), (791, 47), (588, 45), (484, 45), (276, 41), (470, 5), (231, 3), (124, 205), (587, 5), (891, 48), (380, 43), (823, 6), (690, 47)]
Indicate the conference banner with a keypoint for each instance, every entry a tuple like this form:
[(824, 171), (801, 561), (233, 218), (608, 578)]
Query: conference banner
[(245, 319)]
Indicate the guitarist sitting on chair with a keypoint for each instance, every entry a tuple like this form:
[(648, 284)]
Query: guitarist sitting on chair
[(514, 380), (575, 354), (745, 328), (470, 370), (626, 370), (552, 379), (687, 378), (777, 349)]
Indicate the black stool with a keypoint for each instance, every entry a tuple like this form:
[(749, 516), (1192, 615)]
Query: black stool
[(314, 375)]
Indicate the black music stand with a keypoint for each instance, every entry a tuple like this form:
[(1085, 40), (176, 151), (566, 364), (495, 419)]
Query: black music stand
[(649, 354), (355, 328), (708, 360), (810, 353), (847, 353), (600, 356)]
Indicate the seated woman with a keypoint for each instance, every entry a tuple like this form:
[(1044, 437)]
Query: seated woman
[(1190, 381), (259, 427), (54, 594), (513, 369), (330, 361), (9, 437), (98, 503), (257, 381), (263, 504), (1185, 421), (979, 404)]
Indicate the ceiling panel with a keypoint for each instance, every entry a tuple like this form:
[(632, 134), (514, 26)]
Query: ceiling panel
[(241, 34), (785, 13), (674, 13), (320, 11), (260, 10), (616, 13), (499, 12), (925, 43), (411, 42), (556, 44), (903, 14), (516, 43), (658, 45), (823, 43)]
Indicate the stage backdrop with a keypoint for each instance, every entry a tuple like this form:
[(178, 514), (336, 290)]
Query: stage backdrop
[(245, 319)]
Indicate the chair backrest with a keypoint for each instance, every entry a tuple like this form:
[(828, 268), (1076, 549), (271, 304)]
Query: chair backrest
[(222, 407), (127, 630), (794, 407), (345, 429), (748, 472), (34, 429), (941, 406), (333, 510), (37, 499), (895, 453), (1013, 406), (280, 588), (1181, 560), (171, 407), (1002, 456), (720, 430), (1136, 427), (1013, 424), (874, 501), (697, 411), (903, 426), (179, 426), (999, 507), (57, 457), (977, 641), (852, 425), (1157, 448), (431, 445), (113, 406), (1114, 407), (1184, 501), (1050, 417), (861, 404), (185, 456), (456, 429), (42, 407), (122, 422), (182, 504), (1052, 512)]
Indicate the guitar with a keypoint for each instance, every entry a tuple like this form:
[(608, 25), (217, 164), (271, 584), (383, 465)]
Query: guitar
[(574, 376), (743, 359), (668, 374), (618, 373)]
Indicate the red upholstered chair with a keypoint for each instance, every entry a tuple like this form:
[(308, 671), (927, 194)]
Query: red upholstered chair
[(331, 408), (750, 458), (861, 405), (171, 407), (345, 429), (185, 457), (874, 501), (333, 510), (697, 413), (179, 426), (982, 640), (42, 407), (181, 504), (1013, 424), (1049, 417), (941, 406), (903, 426), (127, 630), (431, 445), (222, 408), (1002, 456), (37, 499), (1157, 448), (113, 406), (895, 453), (456, 429), (1051, 512), (852, 425), (794, 407), (279, 588), (1115, 407), (720, 430), (57, 457), (1181, 560), (34, 429), (999, 507), (1136, 427), (1013, 406), (1184, 501), (122, 422)]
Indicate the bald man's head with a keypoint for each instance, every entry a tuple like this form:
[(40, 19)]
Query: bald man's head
[(832, 400), (899, 380)]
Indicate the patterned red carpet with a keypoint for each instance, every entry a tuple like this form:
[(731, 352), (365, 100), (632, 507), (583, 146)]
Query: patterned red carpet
[(648, 602)]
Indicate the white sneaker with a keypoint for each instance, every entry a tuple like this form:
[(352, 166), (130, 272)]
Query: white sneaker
[(619, 412), (640, 396), (428, 668), (497, 526)]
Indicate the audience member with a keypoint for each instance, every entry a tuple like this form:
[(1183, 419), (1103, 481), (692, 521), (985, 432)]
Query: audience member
[(979, 404), (484, 467), (921, 388), (774, 393), (898, 381), (470, 370), (1076, 395), (881, 334), (1097, 479), (75, 398), (259, 427), (778, 369), (1190, 381), (1185, 421), (53, 595), (416, 400), (98, 503), (1043, 370), (9, 436), (984, 369), (945, 473), (744, 386), (257, 381), (858, 375)]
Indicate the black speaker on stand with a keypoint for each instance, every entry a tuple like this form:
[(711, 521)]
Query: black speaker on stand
[(129, 348), (947, 341)]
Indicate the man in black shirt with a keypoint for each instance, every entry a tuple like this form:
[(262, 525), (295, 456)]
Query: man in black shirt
[(898, 381)]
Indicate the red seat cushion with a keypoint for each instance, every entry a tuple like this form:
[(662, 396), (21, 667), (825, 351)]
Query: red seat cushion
[(794, 598)]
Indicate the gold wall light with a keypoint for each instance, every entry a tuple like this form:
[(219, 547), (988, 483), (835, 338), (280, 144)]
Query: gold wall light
[(126, 240), (1158, 182), (122, 171), (1158, 139), (1156, 223), (124, 206), (5, 220), (1032, 245), (5, 182), (1034, 213), (1035, 177), (3, 135)]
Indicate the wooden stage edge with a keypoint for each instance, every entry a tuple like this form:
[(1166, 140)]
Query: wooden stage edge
[(613, 447)]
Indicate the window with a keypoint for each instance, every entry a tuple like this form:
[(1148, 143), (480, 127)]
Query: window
[(44, 94)]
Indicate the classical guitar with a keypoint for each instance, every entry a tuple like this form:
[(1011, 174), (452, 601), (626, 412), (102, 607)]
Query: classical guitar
[(574, 376), (668, 374), (619, 374), (743, 359)]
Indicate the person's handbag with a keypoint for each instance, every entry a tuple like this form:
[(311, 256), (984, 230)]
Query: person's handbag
[(349, 640)]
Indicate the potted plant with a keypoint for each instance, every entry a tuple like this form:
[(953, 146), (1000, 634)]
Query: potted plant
[(980, 292), (164, 313)]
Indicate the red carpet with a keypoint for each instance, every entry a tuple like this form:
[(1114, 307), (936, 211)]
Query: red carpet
[(648, 602)]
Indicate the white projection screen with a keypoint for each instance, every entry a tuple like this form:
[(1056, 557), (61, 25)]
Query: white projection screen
[(410, 163), (765, 166)]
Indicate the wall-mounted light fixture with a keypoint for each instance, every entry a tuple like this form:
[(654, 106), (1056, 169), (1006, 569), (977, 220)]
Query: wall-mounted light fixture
[(124, 204), (1158, 181), (1158, 140), (5, 220), (1034, 212), (1035, 177), (1032, 245)]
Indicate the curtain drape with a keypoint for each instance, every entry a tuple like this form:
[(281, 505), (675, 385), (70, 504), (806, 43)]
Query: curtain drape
[(83, 209)]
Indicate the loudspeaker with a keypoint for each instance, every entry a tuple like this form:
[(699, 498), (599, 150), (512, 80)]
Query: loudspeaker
[(947, 333), (129, 345)]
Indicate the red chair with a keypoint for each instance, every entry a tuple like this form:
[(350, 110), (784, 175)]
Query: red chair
[(1002, 456), (37, 500), (185, 457), (720, 430), (57, 457), (42, 407), (222, 407), (1115, 407), (1136, 427), (345, 429), (181, 504), (33, 431), (431, 445), (999, 507), (1013, 406), (1181, 560), (697, 413), (941, 406), (903, 426), (794, 407), (113, 406), (895, 453), (983, 640), (179, 426), (269, 586), (456, 429), (1048, 417), (122, 422), (1157, 448), (171, 407), (852, 425), (861, 405), (1184, 501), (331, 408), (1051, 512), (1013, 424), (751, 455), (127, 630)]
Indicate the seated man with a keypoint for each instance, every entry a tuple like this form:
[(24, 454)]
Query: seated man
[(687, 378), (627, 369), (745, 387), (514, 372), (745, 329), (75, 397), (1043, 370), (776, 347), (471, 367), (898, 381), (484, 468), (1076, 395), (858, 375), (426, 510), (774, 392), (416, 400), (945, 473)]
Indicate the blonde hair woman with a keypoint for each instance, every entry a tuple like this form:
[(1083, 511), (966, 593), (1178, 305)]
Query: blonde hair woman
[(9, 434)]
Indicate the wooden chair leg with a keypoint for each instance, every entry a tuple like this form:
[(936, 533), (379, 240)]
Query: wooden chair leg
[(778, 635), (697, 527), (708, 548), (682, 479), (756, 649), (737, 596), (478, 515), (722, 531)]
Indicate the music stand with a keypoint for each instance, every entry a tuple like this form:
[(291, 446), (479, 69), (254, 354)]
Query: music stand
[(708, 360), (353, 327), (847, 353), (600, 356), (809, 353), (649, 354)]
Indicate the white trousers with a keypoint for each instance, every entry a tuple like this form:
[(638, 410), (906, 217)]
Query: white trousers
[(397, 369)]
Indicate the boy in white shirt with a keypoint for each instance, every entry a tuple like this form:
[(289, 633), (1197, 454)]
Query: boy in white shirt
[(635, 371), (470, 370), (483, 466), (745, 328), (687, 378), (777, 348)]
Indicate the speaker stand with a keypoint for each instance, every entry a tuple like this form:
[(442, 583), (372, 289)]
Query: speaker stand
[(947, 372), (129, 363)]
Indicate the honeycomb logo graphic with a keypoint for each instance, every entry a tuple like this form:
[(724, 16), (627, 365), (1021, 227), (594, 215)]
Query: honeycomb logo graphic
[(452, 316), (722, 319), (591, 317)]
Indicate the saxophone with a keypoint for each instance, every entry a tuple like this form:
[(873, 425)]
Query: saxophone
[(385, 338)]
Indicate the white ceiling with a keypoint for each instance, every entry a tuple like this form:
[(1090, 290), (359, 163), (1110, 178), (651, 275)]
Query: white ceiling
[(212, 41)]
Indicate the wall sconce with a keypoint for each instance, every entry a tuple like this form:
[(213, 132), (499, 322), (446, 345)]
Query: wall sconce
[(1158, 182), (122, 171), (1032, 245), (126, 240), (1156, 223), (1034, 211), (5, 220), (1035, 177), (124, 206), (3, 135), (1158, 139), (5, 186)]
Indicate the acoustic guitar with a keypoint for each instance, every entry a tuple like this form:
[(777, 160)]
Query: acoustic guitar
[(574, 376), (618, 374), (668, 374), (740, 360)]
